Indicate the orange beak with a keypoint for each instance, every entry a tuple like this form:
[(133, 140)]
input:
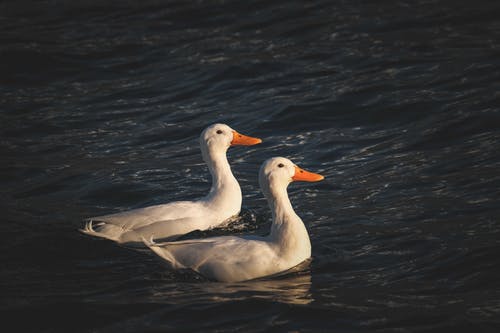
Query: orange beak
[(243, 140), (306, 176)]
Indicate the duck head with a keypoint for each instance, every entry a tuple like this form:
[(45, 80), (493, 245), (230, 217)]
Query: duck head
[(219, 137), (277, 172)]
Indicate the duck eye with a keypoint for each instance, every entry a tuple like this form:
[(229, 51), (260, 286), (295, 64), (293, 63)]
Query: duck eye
[(281, 165), (219, 131)]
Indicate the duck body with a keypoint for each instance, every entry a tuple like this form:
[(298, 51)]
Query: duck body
[(171, 220), (233, 258), (168, 221)]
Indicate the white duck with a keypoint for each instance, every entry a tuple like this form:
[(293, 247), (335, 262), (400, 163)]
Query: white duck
[(171, 220), (232, 258)]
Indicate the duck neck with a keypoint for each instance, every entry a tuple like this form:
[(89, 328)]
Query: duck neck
[(225, 193), (287, 230)]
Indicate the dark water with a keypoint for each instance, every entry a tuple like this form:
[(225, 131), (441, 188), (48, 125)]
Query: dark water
[(397, 103)]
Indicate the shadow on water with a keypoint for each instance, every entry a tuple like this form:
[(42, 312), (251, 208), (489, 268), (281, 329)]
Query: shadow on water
[(208, 299), (292, 288)]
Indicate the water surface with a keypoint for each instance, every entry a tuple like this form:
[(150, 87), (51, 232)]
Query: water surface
[(396, 103)]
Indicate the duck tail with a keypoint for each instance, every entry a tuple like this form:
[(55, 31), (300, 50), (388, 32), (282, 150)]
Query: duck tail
[(102, 230), (149, 242), (161, 249), (152, 243)]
